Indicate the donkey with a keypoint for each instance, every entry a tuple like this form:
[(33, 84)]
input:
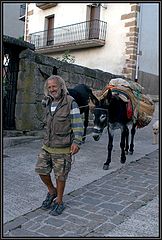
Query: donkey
[(111, 112), (82, 95)]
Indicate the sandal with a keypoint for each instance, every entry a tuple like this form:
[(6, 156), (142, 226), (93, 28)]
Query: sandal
[(48, 201), (57, 209)]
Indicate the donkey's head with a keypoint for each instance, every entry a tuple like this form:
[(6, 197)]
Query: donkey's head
[(101, 115)]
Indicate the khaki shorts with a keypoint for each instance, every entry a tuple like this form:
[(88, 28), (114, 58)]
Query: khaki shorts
[(60, 163)]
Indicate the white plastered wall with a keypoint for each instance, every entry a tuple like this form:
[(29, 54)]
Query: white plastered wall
[(111, 57)]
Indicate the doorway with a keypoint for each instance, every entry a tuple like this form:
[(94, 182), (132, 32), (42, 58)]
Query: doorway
[(94, 22), (50, 30)]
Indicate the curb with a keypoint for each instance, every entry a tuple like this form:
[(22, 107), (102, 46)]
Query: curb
[(12, 141), (13, 138)]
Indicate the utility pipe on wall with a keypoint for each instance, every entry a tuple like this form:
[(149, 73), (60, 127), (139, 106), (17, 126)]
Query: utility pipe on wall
[(26, 23), (139, 26)]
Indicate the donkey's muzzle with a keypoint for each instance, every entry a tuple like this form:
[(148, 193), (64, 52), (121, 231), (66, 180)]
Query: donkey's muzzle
[(96, 133)]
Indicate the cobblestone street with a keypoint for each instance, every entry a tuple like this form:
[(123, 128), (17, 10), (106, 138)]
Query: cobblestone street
[(95, 210)]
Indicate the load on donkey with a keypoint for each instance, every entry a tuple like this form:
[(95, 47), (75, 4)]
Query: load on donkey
[(120, 104)]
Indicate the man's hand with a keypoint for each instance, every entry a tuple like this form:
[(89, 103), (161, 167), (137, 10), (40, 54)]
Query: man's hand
[(74, 148)]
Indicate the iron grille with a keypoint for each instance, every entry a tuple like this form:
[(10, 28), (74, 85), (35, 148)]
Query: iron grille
[(83, 31), (10, 72)]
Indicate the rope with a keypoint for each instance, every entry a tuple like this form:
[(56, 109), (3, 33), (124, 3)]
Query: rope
[(102, 109), (73, 159), (84, 106), (138, 95)]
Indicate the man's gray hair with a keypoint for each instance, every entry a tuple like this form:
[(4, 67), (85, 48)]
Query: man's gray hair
[(60, 82)]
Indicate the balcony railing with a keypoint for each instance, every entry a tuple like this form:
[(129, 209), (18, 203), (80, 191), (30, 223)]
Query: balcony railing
[(80, 35), (22, 12)]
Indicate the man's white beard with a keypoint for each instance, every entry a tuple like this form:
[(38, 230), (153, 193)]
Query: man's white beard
[(57, 96)]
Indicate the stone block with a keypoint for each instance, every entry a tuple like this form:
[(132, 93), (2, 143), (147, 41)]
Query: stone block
[(27, 117)]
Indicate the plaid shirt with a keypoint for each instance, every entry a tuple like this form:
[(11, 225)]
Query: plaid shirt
[(76, 123)]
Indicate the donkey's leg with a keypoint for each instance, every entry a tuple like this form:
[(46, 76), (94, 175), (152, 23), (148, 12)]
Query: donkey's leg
[(127, 141), (86, 117), (110, 147), (133, 131), (122, 144)]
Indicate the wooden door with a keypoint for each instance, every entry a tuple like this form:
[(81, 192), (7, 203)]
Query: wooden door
[(50, 30), (94, 22)]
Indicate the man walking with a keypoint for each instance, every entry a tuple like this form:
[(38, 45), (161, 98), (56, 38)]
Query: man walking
[(63, 137)]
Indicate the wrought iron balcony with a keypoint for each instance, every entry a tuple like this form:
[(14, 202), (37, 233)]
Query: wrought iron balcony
[(44, 6), (22, 12), (80, 35)]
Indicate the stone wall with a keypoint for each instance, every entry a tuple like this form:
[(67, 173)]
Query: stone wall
[(150, 82), (29, 113)]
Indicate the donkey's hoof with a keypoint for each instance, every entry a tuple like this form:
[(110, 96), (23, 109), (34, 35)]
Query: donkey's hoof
[(83, 139), (126, 152), (130, 152), (105, 167), (123, 160)]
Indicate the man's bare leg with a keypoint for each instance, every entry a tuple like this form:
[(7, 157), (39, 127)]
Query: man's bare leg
[(60, 190), (46, 179)]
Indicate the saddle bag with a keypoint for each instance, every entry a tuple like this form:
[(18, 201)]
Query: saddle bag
[(139, 106)]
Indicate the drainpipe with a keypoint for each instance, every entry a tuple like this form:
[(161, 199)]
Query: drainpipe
[(26, 22), (139, 26)]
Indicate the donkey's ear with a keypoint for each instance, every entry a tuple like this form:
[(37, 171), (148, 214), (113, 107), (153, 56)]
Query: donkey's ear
[(44, 75), (94, 100), (109, 95)]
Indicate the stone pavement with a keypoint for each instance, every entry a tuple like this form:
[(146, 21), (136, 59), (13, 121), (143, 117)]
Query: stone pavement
[(114, 205)]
